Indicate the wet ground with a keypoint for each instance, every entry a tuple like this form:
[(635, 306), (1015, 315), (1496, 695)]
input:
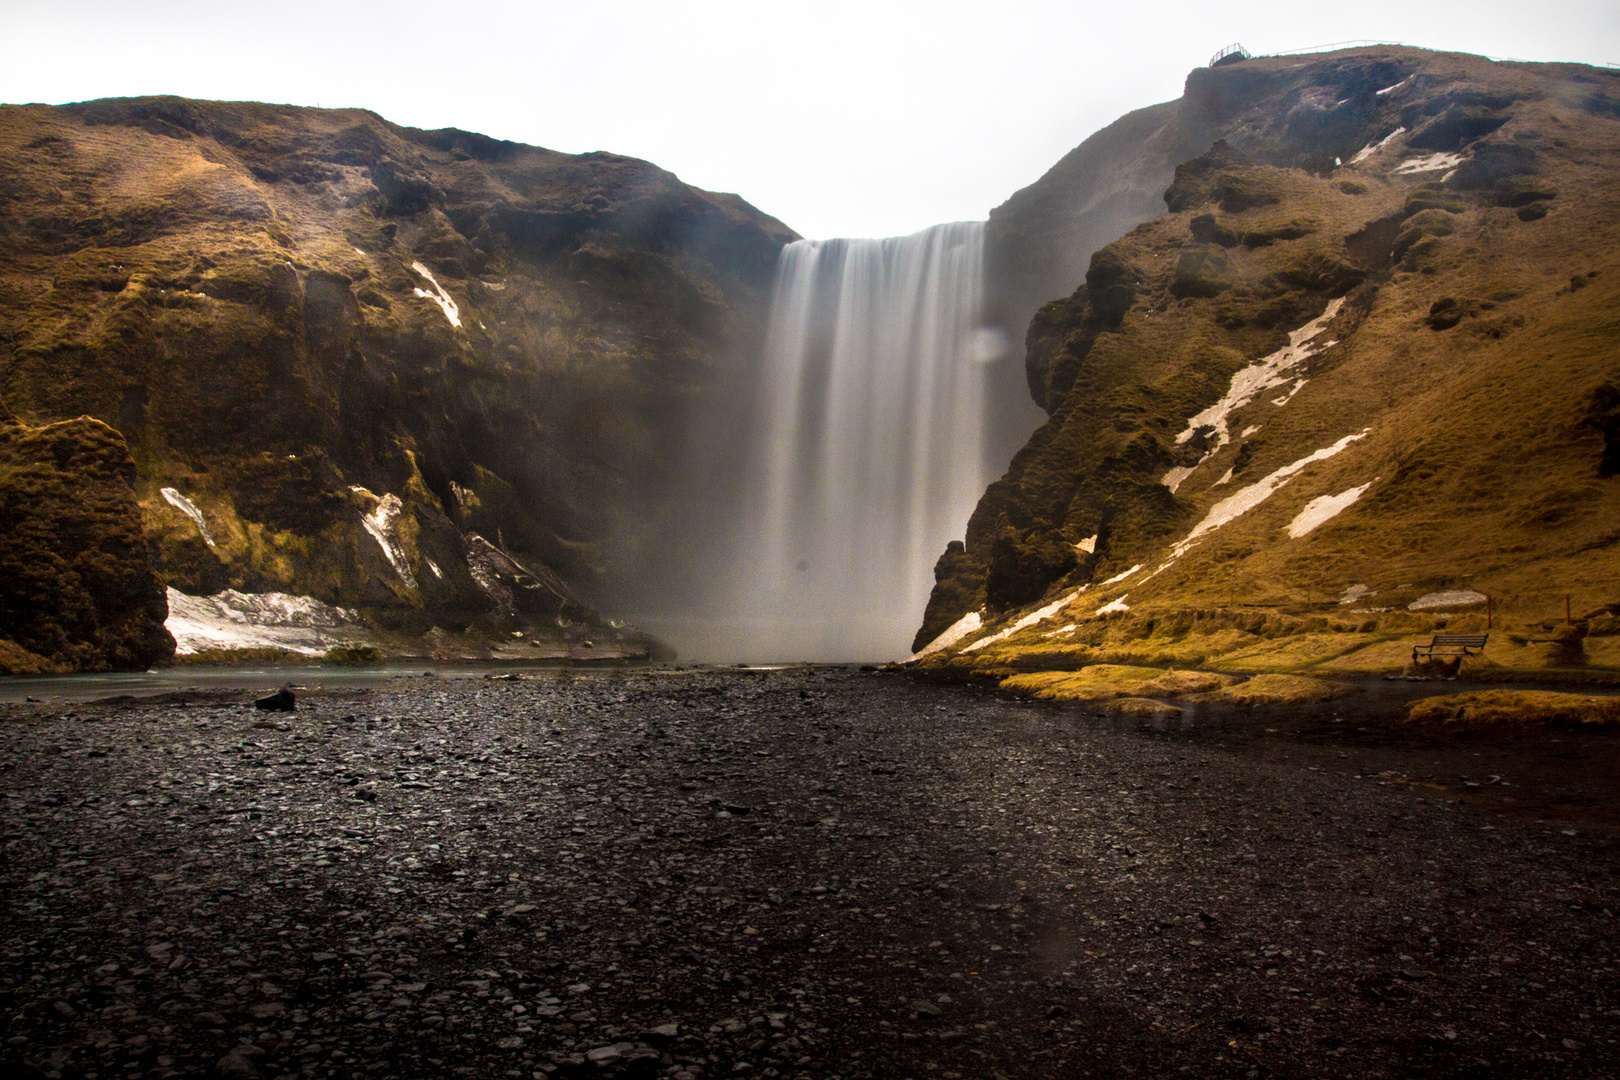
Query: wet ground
[(804, 872)]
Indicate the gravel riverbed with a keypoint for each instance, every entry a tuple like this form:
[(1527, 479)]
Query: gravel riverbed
[(806, 872)]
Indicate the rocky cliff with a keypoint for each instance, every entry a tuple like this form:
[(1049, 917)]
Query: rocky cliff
[(430, 376), (1365, 349)]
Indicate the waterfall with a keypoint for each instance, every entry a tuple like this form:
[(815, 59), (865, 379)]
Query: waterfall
[(867, 445)]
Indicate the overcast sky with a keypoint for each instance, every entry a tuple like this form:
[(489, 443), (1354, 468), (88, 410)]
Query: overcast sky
[(861, 118)]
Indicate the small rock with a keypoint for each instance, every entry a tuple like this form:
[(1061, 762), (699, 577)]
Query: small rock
[(238, 1064), (211, 1019), (280, 701), (604, 1056)]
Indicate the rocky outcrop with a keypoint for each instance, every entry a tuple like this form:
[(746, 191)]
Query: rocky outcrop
[(1341, 355), (364, 363), (76, 589)]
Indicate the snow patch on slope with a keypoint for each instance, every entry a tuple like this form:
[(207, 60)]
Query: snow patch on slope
[(438, 295), (955, 632), (1453, 598), (1432, 163), (1372, 148), (234, 620), (1260, 376), (1031, 619), (188, 508), (1122, 575), (1324, 508), (382, 524), (1246, 499)]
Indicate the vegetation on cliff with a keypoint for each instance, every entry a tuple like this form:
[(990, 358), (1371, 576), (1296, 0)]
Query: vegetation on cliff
[(426, 374), (1368, 354), (76, 589)]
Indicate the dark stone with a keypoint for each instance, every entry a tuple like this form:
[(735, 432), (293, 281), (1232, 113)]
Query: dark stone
[(1023, 565), (1454, 127), (1604, 415), (280, 701), (1206, 230), (1195, 178)]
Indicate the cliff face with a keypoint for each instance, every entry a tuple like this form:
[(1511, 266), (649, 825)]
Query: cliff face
[(430, 375), (76, 588), (1370, 344)]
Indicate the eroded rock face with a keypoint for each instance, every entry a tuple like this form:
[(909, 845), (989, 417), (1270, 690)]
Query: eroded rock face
[(76, 589), (1393, 335), (299, 316)]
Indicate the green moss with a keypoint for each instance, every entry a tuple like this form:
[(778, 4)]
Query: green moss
[(75, 584)]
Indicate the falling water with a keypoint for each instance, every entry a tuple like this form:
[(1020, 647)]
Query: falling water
[(867, 452)]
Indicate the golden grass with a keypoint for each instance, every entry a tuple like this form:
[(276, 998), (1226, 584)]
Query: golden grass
[(1516, 707), (1136, 706), (16, 660), (1277, 689), (1107, 682), (228, 657), (1291, 652), (1376, 656)]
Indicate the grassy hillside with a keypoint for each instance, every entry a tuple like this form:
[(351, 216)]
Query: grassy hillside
[(359, 350), (1371, 380)]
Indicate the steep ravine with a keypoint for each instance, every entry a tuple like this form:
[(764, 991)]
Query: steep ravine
[(438, 380)]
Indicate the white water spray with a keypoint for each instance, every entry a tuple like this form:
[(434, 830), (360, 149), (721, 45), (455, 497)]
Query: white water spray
[(867, 451)]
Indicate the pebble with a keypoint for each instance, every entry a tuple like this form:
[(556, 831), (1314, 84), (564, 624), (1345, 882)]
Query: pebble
[(430, 872)]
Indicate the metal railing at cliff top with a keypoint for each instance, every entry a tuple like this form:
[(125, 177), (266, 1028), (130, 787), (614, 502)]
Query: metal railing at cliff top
[(1361, 43)]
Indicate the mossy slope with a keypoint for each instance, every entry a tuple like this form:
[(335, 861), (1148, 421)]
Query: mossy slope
[(76, 589), (1465, 381), (295, 315)]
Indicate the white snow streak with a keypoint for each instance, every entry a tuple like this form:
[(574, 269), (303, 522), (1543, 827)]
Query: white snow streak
[(955, 632), (1323, 508), (1449, 599), (1122, 575), (234, 620), (1114, 606), (1028, 620), (1246, 499), (189, 508), (1372, 148), (1088, 545), (380, 523), (1352, 593), (1175, 476), (438, 295), (1265, 373), (1432, 163), (1397, 86)]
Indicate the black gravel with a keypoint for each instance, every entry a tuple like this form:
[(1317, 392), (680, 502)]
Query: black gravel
[(800, 873)]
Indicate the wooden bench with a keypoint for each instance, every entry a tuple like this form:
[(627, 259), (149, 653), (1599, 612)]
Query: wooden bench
[(1450, 645)]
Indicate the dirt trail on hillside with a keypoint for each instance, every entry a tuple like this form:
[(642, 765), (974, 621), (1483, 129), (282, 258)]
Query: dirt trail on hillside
[(816, 873)]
